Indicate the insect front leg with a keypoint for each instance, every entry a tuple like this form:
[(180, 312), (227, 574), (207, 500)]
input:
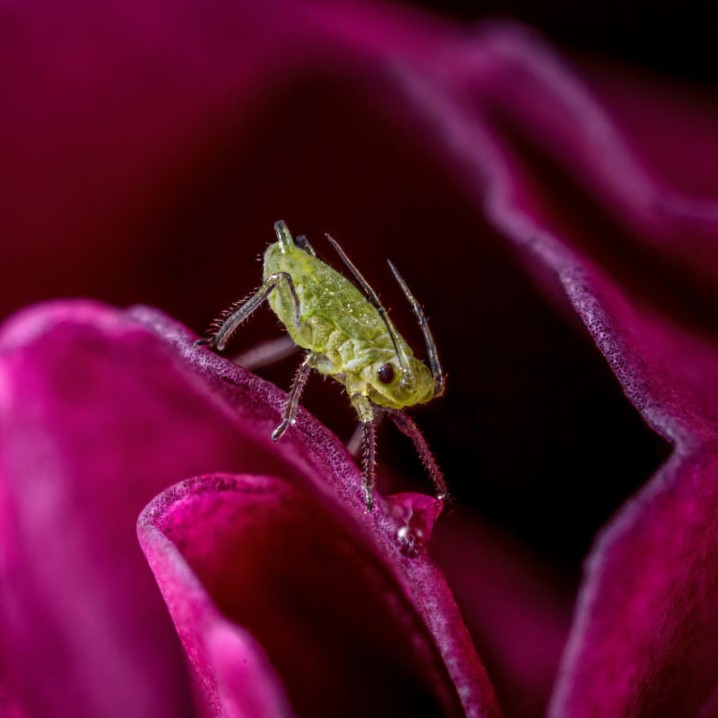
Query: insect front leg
[(356, 441), (407, 427), (369, 462), (219, 340), (369, 416), (295, 393)]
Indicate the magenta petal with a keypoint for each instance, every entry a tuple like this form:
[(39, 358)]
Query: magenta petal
[(317, 455), (100, 410), (97, 415), (233, 674), (647, 617), (332, 620), (646, 624), (517, 606), (81, 419)]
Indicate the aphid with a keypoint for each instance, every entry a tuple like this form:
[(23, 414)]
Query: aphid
[(347, 335)]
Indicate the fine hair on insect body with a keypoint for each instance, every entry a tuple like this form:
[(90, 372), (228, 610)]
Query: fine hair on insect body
[(346, 334)]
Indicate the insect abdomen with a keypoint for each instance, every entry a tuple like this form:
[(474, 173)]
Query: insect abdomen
[(332, 310)]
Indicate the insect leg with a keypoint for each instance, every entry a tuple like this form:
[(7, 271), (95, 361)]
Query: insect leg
[(355, 442), (369, 416), (290, 411), (436, 370), (407, 427), (369, 461), (229, 325)]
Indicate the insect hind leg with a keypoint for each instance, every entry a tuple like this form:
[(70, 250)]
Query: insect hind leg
[(266, 353), (220, 338)]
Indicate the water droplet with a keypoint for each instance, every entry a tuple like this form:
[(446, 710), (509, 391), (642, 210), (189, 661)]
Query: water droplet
[(415, 515), (411, 543)]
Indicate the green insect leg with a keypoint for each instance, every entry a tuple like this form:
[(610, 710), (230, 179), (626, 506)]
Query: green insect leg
[(295, 393), (231, 323), (369, 417), (369, 462), (356, 441)]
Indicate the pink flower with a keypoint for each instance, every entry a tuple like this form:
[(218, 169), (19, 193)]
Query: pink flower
[(284, 591), (558, 221)]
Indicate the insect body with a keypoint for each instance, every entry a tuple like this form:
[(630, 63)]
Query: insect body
[(347, 335)]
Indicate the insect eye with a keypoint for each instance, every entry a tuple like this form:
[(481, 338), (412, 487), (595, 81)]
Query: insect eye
[(385, 373)]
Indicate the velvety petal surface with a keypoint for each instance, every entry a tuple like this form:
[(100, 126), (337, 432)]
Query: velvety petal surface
[(330, 618), (96, 417), (322, 462), (103, 408), (232, 672), (646, 616)]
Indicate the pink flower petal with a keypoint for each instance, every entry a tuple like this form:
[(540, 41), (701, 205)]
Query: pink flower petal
[(137, 129), (647, 616), (102, 408), (332, 620), (96, 417), (517, 607), (233, 675), (316, 454)]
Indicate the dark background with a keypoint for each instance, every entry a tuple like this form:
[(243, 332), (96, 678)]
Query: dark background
[(678, 38)]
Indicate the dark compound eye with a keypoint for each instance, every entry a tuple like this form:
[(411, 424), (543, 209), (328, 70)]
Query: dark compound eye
[(386, 373)]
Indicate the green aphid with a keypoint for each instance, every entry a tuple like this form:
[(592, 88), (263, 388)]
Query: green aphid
[(347, 335)]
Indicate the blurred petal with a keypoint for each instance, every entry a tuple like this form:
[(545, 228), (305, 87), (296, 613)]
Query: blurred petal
[(647, 618), (517, 607)]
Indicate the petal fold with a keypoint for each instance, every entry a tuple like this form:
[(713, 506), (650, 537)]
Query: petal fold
[(331, 619)]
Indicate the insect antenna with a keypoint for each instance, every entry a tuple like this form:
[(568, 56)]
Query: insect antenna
[(371, 295), (436, 370)]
